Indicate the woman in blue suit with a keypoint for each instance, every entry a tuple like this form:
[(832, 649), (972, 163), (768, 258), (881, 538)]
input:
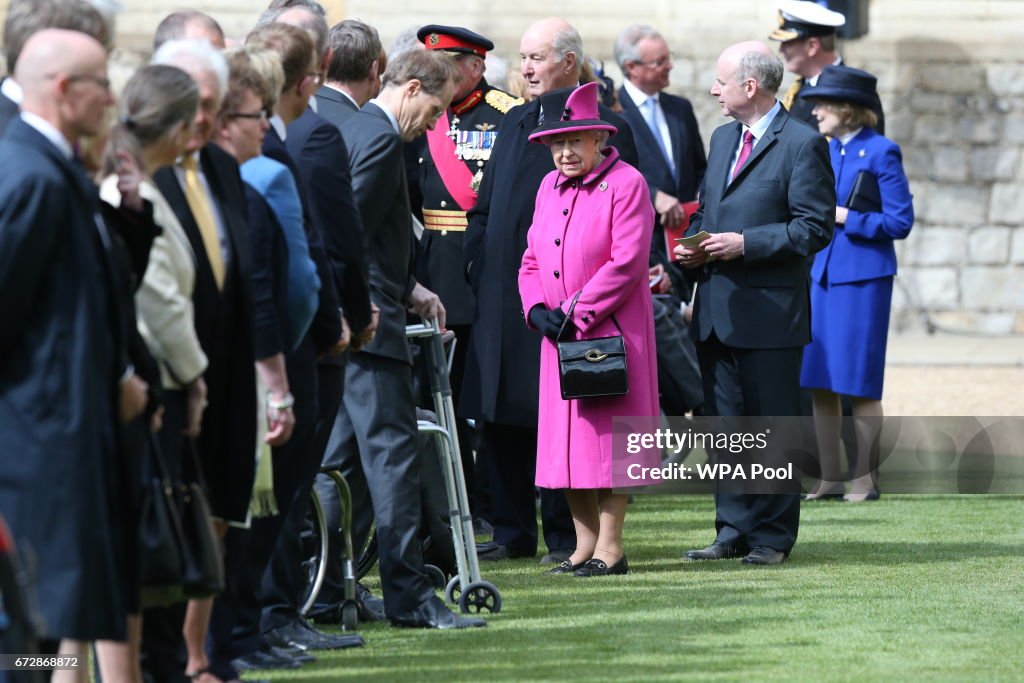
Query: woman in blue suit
[(852, 278)]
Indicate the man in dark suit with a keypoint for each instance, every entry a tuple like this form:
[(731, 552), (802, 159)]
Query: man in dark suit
[(353, 78), (61, 353), (807, 42), (667, 137), (25, 18), (273, 560), (500, 388), (381, 441), (769, 203)]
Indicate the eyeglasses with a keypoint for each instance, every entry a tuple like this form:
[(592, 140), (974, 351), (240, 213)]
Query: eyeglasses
[(262, 115), (101, 81), (658, 63)]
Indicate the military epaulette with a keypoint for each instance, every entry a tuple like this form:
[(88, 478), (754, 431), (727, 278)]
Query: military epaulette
[(502, 101)]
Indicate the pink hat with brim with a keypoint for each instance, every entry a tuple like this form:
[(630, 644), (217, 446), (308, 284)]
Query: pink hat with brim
[(580, 113)]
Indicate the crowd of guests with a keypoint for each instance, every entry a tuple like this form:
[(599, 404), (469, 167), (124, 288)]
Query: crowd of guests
[(213, 283)]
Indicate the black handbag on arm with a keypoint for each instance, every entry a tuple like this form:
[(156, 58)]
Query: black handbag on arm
[(204, 557), (591, 368)]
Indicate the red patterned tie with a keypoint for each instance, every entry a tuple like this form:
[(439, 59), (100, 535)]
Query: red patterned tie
[(748, 145)]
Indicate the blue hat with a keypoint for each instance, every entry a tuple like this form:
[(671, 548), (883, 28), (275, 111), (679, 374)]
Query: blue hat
[(845, 84)]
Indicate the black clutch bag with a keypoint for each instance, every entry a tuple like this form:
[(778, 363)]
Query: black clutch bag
[(865, 196), (591, 368)]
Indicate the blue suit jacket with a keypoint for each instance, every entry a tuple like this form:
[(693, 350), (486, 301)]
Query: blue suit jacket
[(783, 202), (862, 249), (687, 147)]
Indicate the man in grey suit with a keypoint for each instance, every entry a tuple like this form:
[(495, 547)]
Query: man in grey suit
[(379, 403), (769, 203)]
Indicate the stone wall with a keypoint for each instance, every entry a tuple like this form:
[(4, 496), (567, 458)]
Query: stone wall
[(951, 75)]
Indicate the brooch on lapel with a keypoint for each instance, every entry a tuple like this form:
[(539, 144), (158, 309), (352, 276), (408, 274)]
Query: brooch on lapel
[(603, 186)]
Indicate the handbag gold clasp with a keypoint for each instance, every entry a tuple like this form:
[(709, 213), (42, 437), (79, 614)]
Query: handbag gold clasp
[(595, 356)]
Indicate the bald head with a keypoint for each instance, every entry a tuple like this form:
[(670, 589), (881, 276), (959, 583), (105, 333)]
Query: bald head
[(550, 54), (64, 77), (747, 77)]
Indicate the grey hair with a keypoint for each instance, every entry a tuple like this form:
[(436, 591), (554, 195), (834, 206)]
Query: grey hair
[(765, 69), (315, 22), (406, 40), (565, 41), (626, 42), (195, 55)]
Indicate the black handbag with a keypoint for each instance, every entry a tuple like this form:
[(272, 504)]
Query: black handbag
[(161, 538), (203, 556), (864, 194), (591, 368)]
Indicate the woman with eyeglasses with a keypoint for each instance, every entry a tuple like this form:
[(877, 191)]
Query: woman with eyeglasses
[(158, 106)]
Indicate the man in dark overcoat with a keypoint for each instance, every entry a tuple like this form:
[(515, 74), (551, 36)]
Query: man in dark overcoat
[(500, 388), (60, 355)]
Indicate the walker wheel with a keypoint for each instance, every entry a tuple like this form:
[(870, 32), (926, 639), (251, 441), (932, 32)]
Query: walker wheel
[(453, 590), (435, 575), (480, 596)]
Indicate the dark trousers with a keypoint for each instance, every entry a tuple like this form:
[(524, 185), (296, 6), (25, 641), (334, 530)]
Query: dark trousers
[(235, 626), (511, 452), (753, 382), (374, 444)]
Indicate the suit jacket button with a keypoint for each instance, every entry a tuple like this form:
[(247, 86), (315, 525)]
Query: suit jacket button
[(421, 160), (444, 233), (556, 275), (565, 212), (558, 242), (443, 203), (586, 319)]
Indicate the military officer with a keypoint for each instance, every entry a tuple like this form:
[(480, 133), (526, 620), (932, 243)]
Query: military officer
[(807, 33), (452, 159)]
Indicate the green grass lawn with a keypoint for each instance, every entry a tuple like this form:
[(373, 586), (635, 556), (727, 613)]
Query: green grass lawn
[(910, 587)]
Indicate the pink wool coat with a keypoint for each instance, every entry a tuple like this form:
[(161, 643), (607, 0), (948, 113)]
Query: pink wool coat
[(592, 234)]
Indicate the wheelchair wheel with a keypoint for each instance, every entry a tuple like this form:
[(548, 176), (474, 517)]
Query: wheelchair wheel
[(367, 558), (315, 542)]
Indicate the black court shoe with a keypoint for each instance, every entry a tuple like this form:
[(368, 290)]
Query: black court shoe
[(600, 568), (566, 567)]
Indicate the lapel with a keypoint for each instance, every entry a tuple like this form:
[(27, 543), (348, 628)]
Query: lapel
[(166, 180), (718, 165), (760, 149), (641, 131), (674, 119)]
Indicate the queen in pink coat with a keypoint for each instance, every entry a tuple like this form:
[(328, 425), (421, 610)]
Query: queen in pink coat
[(591, 234)]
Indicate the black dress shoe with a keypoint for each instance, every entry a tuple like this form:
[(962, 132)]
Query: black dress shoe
[(264, 659), (303, 636), (715, 551), (557, 556), (493, 552), (434, 614), (566, 567), (762, 554), (300, 656), (594, 567)]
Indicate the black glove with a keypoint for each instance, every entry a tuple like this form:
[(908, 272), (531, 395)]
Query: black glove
[(547, 322)]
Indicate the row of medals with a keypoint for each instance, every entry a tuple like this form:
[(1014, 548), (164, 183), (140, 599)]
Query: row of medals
[(472, 145)]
